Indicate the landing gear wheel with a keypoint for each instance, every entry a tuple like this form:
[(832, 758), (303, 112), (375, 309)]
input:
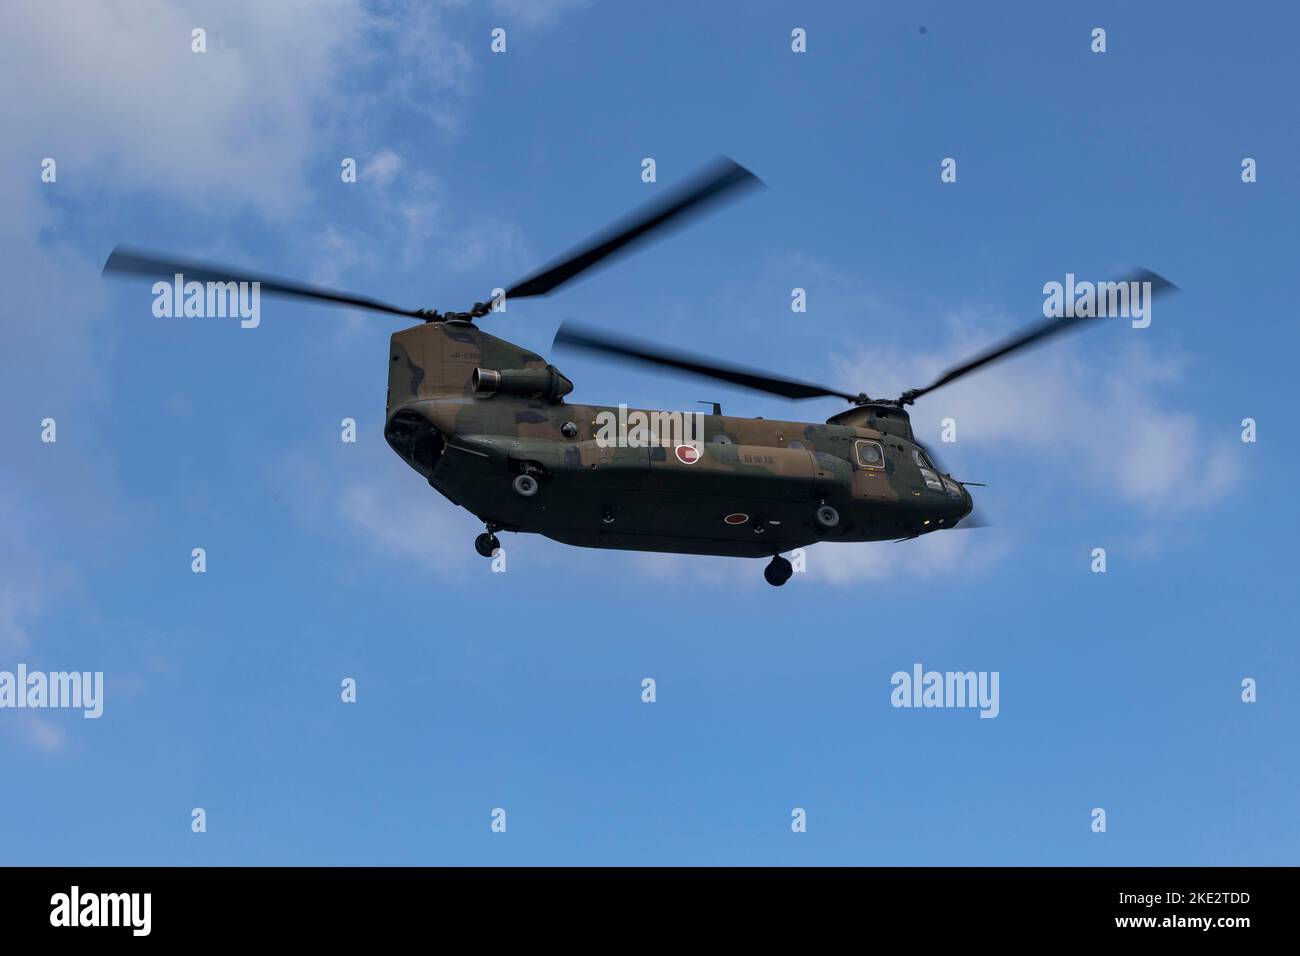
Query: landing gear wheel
[(778, 572), (486, 543), (525, 486), (826, 517)]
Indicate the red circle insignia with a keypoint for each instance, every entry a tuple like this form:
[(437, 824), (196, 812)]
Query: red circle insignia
[(687, 454)]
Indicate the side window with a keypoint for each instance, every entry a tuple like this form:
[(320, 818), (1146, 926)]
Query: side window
[(920, 459), (870, 454)]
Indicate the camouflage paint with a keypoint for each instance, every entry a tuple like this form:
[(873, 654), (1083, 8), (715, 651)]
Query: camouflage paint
[(471, 446)]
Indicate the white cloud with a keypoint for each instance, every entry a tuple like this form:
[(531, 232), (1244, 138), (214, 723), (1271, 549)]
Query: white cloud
[(931, 557), (30, 578), (381, 169), (44, 734), (365, 494), (1093, 426), (500, 243), (437, 67), (842, 564), (419, 213), (116, 94), (415, 523), (532, 12), (336, 252), (1103, 421), (113, 93), (17, 606)]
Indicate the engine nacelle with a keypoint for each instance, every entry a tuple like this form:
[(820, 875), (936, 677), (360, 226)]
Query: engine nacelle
[(548, 384)]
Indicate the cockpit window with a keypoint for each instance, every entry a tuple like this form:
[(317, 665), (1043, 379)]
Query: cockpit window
[(920, 459), (870, 454)]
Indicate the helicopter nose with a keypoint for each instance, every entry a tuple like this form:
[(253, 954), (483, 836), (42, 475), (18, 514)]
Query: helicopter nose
[(959, 505), (952, 510), (963, 507)]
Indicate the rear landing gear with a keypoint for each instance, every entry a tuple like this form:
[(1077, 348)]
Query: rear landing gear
[(486, 544), (778, 571)]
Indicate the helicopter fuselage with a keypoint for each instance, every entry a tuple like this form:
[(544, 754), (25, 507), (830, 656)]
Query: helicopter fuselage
[(744, 487)]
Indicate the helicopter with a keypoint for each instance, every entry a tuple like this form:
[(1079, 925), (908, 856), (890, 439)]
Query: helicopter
[(488, 424)]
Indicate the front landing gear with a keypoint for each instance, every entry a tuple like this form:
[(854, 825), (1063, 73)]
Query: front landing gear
[(778, 571), (486, 544)]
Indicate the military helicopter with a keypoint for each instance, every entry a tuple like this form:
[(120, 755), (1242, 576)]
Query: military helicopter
[(488, 425)]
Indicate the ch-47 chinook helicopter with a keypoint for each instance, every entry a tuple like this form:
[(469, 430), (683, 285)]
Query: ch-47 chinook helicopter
[(487, 423)]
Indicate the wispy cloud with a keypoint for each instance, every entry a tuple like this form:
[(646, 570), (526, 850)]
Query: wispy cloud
[(533, 12), (1105, 420), (131, 104), (410, 524), (44, 734), (842, 564), (381, 169), (116, 97), (374, 501)]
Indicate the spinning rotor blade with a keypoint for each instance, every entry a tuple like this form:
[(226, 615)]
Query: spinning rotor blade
[(723, 178), (127, 261), (633, 351), (1034, 334)]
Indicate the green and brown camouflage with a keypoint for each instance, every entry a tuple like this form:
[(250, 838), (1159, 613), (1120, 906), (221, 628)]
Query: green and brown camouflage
[(752, 490)]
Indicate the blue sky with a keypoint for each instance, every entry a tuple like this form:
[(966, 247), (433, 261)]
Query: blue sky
[(522, 690)]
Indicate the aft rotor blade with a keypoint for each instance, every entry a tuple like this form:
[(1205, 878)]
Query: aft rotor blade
[(723, 179), (629, 350), (1035, 334), (127, 261)]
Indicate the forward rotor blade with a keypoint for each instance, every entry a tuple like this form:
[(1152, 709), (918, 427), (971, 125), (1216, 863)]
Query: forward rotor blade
[(724, 178), (630, 350), (1035, 334), (127, 261)]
